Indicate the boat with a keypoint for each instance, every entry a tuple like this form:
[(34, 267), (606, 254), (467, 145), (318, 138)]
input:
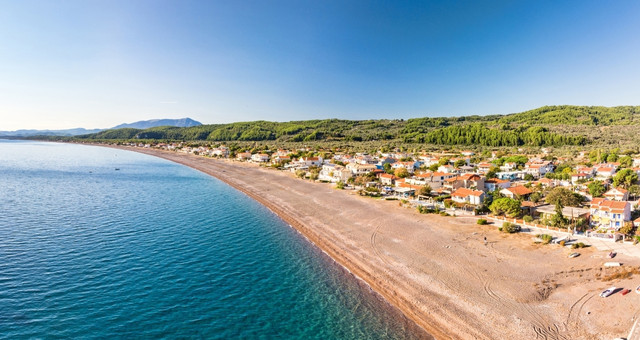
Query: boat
[(612, 254), (607, 292), (612, 264), (638, 289), (572, 255), (626, 291)]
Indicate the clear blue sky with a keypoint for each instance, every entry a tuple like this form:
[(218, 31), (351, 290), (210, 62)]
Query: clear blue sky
[(96, 64)]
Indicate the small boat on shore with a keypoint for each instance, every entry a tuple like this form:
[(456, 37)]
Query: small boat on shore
[(638, 290), (626, 291), (612, 264), (612, 254)]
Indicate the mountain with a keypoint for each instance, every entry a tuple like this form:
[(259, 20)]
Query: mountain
[(29, 133), (146, 124)]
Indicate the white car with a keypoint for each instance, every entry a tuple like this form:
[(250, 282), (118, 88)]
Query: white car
[(607, 292)]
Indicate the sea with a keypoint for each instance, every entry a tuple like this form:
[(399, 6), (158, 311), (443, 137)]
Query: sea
[(106, 243)]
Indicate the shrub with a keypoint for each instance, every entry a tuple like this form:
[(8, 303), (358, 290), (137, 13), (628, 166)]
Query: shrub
[(482, 221), (562, 243), (510, 228), (578, 245), (340, 185), (528, 219), (546, 238)]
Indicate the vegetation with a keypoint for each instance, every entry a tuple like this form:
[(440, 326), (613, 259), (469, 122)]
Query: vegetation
[(564, 197), (510, 228), (625, 178), (482, 221), (596, 188), (578, 245), (505, 206), (545, 126), (546, 238)]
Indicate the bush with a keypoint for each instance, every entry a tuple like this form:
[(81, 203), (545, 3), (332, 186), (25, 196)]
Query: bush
[(340, 185), (578, 245), (546, 238), (482, 221), (510, 228), (528, 219)]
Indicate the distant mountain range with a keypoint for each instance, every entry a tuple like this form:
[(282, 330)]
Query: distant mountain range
[(143, 124)]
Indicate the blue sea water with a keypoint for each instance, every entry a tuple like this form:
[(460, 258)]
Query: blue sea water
[(159, 250)]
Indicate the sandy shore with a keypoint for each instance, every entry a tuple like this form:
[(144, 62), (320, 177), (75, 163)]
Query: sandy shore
[(437, 270)]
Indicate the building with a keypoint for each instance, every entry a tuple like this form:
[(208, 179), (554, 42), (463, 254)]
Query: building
[(495, 183), (516, 192), (468, 196), (360, 169), (334, 173), (549, 210), (387, 179), (243, 156), (608, 214), (617, 194), (260, 157)]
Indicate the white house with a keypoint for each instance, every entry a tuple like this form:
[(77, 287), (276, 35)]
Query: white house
[(464, 195), (260, 157), (609, 214), (617, 194), (360, 169)]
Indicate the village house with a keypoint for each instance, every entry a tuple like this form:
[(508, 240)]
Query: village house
[(387, 179), (636, 162), (434, 179), (243, 156), (468, 196), (538, 169), (516, 192), (547, 211), (608, 214), (469, 181), (360, 169), (484, 167), (280, 159), (309, 161), (446, 168), (410, 166), (580, 176), (636, 222), (547, 182), (260, 158), (493, 184), (617, 194), (511, 175), (221, 151), (604, 172), (509, 166), (334, 173)]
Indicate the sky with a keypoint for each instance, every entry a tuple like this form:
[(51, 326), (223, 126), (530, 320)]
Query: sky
[(96, 64)]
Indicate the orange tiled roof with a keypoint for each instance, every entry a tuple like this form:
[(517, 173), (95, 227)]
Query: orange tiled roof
[(464, 192), (520, 190)]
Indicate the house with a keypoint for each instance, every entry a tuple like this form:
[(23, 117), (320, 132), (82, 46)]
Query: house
[(580, 176), (464, 195), (310, 161), (636, 162), (221, 151), (446, 168), (260, 157), (410, 166), (387, 179), (433, 179), (617, 194), (405, 192), (538, 169), (360, 169), (334, 173), (605, 172), (495, 183), (517, 191), (484, 167), (546, 182), (509, 166), (243, 156), (636, 222), (608, 214), (279, 159), (470, 181), (549, 210), (511, 175)]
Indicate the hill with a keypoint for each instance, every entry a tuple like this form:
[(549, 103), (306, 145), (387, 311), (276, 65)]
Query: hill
[(545, 126), (146, 124)]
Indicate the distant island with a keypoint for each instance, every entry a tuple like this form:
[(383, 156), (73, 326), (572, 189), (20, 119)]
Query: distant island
[(143, 124), (542, 127)]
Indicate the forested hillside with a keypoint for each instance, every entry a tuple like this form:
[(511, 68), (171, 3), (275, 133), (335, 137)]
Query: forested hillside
[(545, 126)]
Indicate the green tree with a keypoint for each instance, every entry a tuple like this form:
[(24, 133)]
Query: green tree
[(625, 178), (505, 206), (401, 173), (459, 163), (558, 220), (492, 172), (425, 190), (627, 228), (634, 190), (564, 197), (596, 188), (625, 161), (387, 168), (528, 177)]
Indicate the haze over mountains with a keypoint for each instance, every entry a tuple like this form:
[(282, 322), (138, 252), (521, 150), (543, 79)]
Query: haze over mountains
[(143, 124)]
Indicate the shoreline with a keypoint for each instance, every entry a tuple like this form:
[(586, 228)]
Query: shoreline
[(448, 296)]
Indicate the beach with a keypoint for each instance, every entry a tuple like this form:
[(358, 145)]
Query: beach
[(438, 270)]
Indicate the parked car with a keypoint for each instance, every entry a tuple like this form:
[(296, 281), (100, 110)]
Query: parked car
[(607, 292), (572, 255)]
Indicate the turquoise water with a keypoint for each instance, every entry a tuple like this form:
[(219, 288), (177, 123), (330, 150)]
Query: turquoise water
[(159, 250)]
